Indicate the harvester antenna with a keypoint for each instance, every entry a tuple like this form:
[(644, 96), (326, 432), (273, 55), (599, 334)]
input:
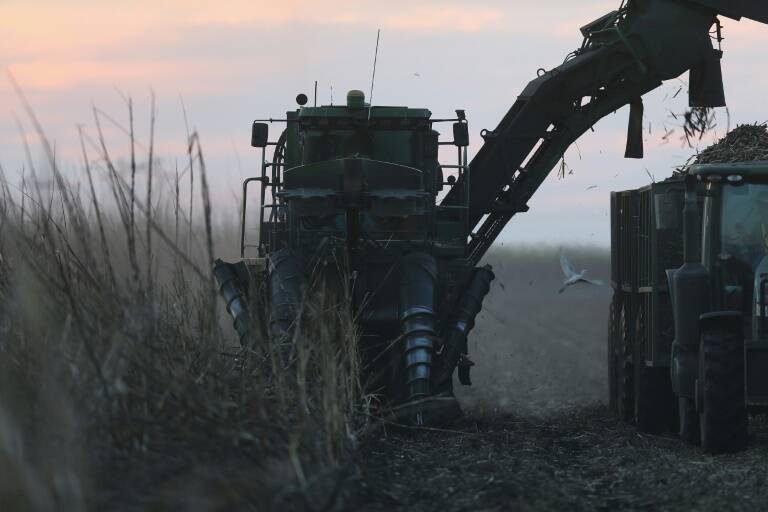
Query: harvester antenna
[(373, 75), (315, 92)]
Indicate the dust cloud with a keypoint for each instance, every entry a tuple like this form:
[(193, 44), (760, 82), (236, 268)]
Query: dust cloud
[(538, 352)]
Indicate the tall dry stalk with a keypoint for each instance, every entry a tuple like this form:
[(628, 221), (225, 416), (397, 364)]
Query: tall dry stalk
[(150, 164), (191, 170), (148, 382), (97, 210)]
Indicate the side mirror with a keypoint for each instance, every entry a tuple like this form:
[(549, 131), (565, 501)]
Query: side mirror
[(460, 134), (259, 135)]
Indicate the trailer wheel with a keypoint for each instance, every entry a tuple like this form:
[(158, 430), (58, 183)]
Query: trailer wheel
[(625, 392), (688, 420), (612, 375), (654, 398), (723, 418)]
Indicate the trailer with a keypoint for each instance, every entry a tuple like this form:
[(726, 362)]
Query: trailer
[(643, 246), (688, 333)]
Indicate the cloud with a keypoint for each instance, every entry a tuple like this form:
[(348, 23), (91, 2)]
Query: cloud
[(81, 28), (398, 15), (744, 35), (451, 18), (53, 45), (192, 75)]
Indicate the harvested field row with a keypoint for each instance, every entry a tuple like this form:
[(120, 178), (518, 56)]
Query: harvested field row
[(580, 459), (537, 434)]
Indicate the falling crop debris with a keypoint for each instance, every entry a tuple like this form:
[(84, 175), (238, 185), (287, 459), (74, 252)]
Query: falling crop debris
[(698, 121)]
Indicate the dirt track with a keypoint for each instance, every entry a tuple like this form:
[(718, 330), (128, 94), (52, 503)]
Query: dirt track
[(582, 459), (537, 434)]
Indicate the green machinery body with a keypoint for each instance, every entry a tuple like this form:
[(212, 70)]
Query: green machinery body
[(362, 174), (363, 182)]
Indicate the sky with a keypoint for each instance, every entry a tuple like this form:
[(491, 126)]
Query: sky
[(219, 65)]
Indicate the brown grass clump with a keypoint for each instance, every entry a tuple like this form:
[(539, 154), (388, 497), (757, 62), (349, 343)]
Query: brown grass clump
[(121, 385)]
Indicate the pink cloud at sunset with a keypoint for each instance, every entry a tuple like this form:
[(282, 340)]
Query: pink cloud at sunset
[(50, 45)]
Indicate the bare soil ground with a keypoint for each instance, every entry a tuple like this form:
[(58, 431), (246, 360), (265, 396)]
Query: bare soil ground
[(537, 434)]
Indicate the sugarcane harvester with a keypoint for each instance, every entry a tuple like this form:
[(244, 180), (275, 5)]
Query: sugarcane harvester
[(367, 179)]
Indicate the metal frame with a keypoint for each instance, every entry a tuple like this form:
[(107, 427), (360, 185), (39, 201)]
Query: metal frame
[(639, 261), (272, 182)]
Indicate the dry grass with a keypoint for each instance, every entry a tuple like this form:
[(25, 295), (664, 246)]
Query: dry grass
[(120, 383)]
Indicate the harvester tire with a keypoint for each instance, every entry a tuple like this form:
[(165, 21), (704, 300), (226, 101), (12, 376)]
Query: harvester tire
[(654, 398), (723, 414), (612, 375), (625, 387)]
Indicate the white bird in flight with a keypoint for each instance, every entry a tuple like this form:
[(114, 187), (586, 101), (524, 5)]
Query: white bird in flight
[(572, 277)]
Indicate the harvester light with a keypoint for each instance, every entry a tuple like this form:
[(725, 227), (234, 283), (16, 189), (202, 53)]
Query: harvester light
[(355, 99), (735, 178)]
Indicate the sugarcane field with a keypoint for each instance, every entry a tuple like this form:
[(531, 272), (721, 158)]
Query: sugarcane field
[(482, 256)]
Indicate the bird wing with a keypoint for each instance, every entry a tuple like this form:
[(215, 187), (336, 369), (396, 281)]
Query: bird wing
[(566, 266), (593, 281)]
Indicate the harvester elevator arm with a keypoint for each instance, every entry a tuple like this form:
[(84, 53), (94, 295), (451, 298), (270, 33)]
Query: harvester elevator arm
[(626, 54)]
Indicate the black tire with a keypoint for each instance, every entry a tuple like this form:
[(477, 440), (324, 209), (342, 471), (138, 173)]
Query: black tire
[(688, 420), (625, 373), (723, 418), (654, 398), (612, 375)]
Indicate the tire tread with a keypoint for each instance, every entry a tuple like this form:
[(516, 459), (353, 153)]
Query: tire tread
[(724, 421)]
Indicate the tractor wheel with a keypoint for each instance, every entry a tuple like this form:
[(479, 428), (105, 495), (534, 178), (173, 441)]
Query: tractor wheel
[(654, 399), (723, 415), (625, 374), (688, 420), (612, 375)]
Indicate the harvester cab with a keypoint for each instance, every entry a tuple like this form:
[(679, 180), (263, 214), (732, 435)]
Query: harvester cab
[(365, 174)]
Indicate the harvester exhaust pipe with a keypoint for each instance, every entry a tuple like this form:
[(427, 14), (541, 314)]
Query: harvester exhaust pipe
[(233, 286), (417, 318), (690, 298)]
